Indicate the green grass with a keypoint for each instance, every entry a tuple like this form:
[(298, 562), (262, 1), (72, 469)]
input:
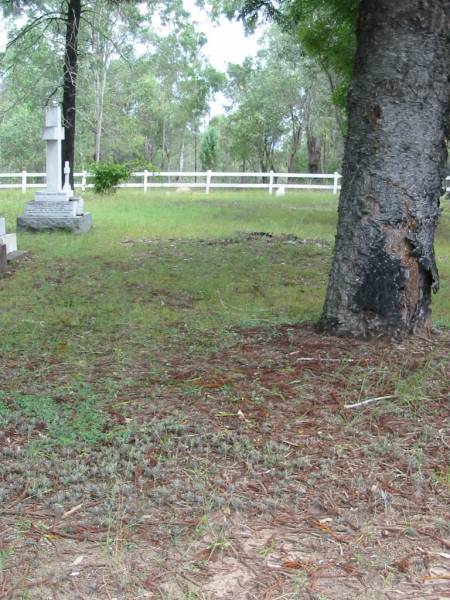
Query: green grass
[(101, 284), (164, 271), (144, 373)]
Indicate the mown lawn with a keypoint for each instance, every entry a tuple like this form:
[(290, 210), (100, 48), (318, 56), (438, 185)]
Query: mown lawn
[(169, 414)]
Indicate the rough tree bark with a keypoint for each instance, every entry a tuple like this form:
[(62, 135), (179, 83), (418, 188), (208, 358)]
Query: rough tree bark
[(70, 83), (314, 152), (384, 266)]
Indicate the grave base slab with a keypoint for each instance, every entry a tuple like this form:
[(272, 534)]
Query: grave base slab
[(15, 256), (79, 224)]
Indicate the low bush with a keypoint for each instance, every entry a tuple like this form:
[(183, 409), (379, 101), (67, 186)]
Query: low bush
[(108, 175)]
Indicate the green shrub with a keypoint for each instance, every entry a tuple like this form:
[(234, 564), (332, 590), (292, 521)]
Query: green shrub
[(209, 148), (108, 175)]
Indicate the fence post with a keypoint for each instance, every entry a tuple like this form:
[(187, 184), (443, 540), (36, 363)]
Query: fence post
[(208, 180), (83, 181), (145, 180), (335, 183), (24, 182), (271, 182)]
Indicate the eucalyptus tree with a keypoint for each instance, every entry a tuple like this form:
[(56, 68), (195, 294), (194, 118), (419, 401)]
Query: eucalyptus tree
[(49, 18), (109, 36), (67, 19), (186, 83), (256, 111), (384, 267), (281, 59), (23, 92), (42, 15), (301, 89), (279, 107), (154, 119)]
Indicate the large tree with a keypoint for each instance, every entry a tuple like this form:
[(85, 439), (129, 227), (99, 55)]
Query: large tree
[(73, 18), (384, 268)]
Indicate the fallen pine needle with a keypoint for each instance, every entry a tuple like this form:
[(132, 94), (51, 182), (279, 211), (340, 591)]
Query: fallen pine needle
[(369, 401)]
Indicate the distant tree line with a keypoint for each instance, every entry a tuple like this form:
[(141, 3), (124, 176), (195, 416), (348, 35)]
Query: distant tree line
[(144, 92)]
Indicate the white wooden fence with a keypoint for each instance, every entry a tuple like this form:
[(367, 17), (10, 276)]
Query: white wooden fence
[(206, 180)]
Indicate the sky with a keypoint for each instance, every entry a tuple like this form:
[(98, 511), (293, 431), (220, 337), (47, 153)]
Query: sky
[(227, 41)]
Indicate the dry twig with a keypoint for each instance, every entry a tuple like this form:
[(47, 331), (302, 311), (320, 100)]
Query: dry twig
[(369, 401)]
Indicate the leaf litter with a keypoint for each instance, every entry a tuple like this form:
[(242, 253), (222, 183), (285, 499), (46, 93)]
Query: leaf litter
[(242, 475)]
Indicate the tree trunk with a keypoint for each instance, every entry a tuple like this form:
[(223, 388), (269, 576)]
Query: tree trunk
[(163, 146), (323, 154), (314, 152), (70, 84), (100, 78), (384, 267), (296, 138), (99, 105), (195, 153), (338, 112), (181, 158)]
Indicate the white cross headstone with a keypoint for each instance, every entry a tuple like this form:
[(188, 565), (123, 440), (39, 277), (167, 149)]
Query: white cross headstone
[(53, 135), (9, 239), (66, 186), (55, 207)]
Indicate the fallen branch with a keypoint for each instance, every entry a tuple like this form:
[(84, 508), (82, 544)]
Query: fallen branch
[(369, 401)]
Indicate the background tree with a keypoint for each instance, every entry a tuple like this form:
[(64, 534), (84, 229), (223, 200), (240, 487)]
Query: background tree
[(70, 14), (258, 111), (324, 28), (153, 120), (278, 102), (29, 76), (209, 150)]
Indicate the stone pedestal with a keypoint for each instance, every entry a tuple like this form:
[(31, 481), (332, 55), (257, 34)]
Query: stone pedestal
[(36, 219), (55, 211), (9, 240), (55, 207)]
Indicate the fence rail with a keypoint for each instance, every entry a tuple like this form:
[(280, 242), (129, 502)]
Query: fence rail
[(208, 180)]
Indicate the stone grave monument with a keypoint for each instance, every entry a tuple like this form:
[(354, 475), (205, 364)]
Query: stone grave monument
[(8, 247), (56, 207), (7, 239)]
